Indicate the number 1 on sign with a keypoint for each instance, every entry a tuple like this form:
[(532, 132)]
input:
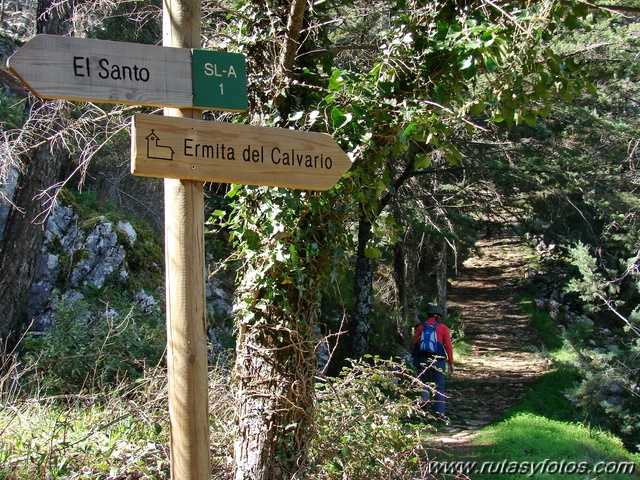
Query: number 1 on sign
[(222, 89)]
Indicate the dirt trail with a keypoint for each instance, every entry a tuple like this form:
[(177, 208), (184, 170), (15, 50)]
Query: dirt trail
[(500, 363)]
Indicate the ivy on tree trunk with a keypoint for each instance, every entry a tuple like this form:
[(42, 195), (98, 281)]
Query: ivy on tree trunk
[(287, 241)]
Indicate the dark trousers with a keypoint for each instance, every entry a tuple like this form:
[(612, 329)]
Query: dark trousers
[(432, 372)]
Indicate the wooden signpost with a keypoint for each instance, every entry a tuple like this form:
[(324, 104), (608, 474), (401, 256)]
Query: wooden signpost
[(185, 151), (228, 152), (85, 69), (185, 286)]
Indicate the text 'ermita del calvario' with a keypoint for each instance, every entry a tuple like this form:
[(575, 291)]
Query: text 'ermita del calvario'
[(250, 154)]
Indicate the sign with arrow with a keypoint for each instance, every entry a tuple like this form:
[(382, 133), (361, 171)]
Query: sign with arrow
[(173, 147), (85, 69)]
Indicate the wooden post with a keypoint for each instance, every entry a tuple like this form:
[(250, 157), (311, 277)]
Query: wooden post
[(184, 257)]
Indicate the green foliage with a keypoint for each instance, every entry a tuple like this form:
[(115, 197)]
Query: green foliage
[(119, 432), (583, 173), (290, 241), (364, 423), (12, 113), (609, 393), (440, 76), (548, 329), (435, 64), (591, 284), (548, 396), (145, 259), (136, 21), (87, 204), (91, 351)]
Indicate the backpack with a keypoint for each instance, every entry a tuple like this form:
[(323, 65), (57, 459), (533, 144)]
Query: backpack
[(429, 343)]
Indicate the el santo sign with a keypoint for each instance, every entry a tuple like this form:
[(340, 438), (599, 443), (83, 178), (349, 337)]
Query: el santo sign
[(84, 69)]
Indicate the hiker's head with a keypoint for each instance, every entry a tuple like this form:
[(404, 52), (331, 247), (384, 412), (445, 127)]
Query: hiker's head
[(434, 310)]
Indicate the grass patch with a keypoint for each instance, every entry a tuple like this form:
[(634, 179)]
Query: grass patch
[(119, 433), (85, 436), (547, 396), (526, 441), (461, 348), (554, 344), (368, 425), (542, 437), (546, 327)]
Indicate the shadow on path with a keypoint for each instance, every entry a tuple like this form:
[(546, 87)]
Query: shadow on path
[(501, 361)]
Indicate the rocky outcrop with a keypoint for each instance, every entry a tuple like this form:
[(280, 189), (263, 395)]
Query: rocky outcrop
[(90, 259), (81, 257), (104, 257)]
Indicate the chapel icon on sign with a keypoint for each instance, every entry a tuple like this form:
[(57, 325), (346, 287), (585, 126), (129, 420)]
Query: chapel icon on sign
[(157, 151)]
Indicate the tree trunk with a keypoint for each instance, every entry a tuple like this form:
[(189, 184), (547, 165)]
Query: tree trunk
[(288, 52), (360, 324), (275, 361), (24, 235), (54, 17), (22, 240), (275, 367), (441, 278), (400, 280)]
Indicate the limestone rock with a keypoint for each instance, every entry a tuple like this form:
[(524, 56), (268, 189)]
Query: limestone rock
[(127, 228), (148, 304), (104, 257)]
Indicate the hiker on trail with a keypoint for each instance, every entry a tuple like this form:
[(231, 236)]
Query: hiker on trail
[(431, 352)]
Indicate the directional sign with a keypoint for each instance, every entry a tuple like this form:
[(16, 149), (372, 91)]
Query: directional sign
[(84, 69), (172, 147)]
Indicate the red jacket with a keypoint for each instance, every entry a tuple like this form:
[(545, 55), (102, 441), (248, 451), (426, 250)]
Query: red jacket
[(443, 337)]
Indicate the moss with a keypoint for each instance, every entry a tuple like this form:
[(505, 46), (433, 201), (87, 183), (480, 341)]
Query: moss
[(88, 224), (145, 258), (65, 197)]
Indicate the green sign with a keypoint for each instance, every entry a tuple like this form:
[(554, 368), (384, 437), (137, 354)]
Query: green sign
[(219, 80)]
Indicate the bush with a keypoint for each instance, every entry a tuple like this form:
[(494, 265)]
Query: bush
[(369, 424), (88, 351), (609, 354), (610, 392)]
